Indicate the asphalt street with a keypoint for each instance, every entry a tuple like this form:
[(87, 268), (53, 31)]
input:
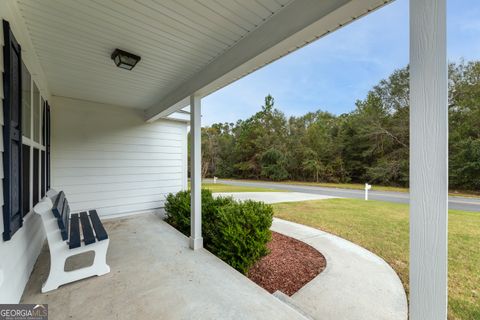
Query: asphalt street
[(458, 203)]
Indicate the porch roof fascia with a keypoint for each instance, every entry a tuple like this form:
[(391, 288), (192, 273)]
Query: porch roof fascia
[(297, 25)]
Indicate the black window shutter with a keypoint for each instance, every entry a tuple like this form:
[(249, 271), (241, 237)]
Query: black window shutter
[(47, 141), (12, 134), (43, 156)]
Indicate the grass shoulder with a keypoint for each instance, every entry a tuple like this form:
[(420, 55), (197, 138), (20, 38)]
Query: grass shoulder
[(219, 187)]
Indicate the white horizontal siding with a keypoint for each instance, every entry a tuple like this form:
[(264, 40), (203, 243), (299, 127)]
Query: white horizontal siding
[(117, 200), (125, 156), (69, 178), (135, 148), (112, 211), (107, 158), (115, 163), (158, 185), (118, 139)]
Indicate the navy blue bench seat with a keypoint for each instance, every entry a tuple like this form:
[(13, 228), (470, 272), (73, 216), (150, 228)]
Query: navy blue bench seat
[(73, 226)]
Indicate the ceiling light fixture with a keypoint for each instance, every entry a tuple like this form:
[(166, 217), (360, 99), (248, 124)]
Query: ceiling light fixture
[(124, 59)]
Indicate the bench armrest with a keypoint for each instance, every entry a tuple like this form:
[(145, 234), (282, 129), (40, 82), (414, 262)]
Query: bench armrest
[(52, 193), (45, 205)]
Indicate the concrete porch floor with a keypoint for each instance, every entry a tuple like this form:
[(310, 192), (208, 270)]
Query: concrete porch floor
[(154, 275)]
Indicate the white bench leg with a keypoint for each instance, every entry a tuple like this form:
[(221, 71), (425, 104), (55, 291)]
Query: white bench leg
[(100, 261), (58, 276), (54, 280)]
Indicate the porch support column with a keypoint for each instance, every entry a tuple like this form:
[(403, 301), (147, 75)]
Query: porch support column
[(196, 240), (428, 160)]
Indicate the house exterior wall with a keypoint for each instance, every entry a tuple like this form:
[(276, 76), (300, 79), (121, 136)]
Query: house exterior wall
[(18, 255), (108, 158), (104, 157)]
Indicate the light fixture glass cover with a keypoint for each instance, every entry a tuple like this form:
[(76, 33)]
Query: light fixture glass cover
[(124, 59)]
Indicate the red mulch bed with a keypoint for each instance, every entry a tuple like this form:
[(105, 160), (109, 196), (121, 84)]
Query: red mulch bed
[(289, 266)]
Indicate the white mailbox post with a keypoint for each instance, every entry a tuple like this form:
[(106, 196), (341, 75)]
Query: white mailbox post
[(367, 187)]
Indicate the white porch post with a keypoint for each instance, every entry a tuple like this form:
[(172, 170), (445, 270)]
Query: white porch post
[(196, 240), (428, 160)]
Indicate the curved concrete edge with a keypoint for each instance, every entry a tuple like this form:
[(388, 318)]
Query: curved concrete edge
[(356, 284)]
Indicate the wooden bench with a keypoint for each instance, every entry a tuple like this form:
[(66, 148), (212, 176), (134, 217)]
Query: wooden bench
[(70, 234)]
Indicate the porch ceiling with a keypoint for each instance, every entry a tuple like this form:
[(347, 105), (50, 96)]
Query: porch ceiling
[(186, 46)]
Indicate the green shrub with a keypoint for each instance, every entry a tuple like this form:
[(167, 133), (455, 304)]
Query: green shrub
[(241, 233), (177, 207), (236, 232)]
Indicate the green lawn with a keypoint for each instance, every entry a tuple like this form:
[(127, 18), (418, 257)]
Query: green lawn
[(218, 187), (383, 228)]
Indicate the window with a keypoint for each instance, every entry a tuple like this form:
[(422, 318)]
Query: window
[(36, 113), (34, 151), (26, 101), (40, 121), (43, 184), (26, 132), (36, 176), (26, 179)]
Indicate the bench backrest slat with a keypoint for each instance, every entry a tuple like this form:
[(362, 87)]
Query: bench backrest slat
[(57, 204), (66, 215), (61, 210)]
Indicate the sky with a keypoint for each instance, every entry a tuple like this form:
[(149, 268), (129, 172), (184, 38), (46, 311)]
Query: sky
[(333, 72)]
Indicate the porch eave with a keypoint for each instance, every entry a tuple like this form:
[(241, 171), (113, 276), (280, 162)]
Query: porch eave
[(308, 21)]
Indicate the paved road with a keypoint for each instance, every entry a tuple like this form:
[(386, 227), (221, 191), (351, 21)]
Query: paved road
[(458, 203)]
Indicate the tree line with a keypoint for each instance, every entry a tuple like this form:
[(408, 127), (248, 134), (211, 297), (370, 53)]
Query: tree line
[(369, 144)]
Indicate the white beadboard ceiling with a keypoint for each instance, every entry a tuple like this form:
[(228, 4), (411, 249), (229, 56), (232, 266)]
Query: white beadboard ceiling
[(186, 46), (75, 38)]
